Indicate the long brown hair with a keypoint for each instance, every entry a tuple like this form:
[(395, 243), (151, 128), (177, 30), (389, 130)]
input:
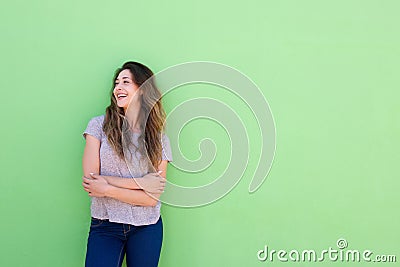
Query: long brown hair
[(151, 117)]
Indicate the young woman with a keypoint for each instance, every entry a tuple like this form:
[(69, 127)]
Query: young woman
[(125, 165)]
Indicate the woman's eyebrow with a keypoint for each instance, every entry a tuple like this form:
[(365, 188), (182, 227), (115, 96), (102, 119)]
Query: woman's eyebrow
[(123, 78)]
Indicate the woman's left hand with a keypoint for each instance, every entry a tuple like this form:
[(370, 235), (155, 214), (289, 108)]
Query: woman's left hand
[(96, 186)]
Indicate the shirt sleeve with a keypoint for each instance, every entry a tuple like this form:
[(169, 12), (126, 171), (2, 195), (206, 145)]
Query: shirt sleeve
[(166, 148), (94, 128)]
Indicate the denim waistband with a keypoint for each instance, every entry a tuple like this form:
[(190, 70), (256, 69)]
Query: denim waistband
[(105, 220)]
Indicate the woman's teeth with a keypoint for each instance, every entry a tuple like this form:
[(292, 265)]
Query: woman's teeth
[(119, 96)]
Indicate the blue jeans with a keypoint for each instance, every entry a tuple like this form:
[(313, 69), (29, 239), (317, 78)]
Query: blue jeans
[(108, 242)]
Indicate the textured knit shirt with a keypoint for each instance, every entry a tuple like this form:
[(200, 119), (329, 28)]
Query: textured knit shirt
[(111, 165)]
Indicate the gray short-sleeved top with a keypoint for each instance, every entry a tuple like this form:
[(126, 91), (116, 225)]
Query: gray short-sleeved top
[(111, 165)]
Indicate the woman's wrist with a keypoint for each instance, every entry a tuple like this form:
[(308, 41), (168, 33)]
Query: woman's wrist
[(137, 183), (110, 191)]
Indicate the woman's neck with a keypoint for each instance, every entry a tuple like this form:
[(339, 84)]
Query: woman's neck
[(132, 115)]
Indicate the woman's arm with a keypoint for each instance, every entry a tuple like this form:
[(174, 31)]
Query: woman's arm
[(162, 169), (132, 196), (91, 156), (99, 187), (151, 182)]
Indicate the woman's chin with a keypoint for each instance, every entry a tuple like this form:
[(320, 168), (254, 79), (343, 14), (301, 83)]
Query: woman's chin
[(121, 105)]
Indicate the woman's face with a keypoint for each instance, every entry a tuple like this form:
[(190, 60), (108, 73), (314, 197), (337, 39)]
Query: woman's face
[(125, 90)]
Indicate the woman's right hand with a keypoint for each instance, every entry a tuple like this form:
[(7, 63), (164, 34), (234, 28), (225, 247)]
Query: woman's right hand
[(152, 183)]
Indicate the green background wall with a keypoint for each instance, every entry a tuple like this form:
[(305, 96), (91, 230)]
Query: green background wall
[(329, 70)]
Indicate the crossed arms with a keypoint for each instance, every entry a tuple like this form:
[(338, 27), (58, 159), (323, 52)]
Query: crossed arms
[(144, 191)]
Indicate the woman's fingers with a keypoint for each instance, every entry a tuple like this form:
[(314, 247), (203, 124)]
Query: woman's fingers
[(86, 187), (86, 180), (155, 183)]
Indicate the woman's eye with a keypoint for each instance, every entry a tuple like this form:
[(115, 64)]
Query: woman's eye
[(126, 82)]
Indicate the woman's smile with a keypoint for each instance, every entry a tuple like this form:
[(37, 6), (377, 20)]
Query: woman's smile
[(125, 89), (121, 95)]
